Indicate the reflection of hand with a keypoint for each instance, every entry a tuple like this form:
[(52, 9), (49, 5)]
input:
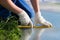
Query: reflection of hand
[(39, 19), (37, 33), (24, 19)]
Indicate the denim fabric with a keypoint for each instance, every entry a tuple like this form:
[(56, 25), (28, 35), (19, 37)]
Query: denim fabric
[(20, 3)]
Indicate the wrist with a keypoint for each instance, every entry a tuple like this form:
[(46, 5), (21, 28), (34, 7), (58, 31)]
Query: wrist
[(22, 13), (38, 13)]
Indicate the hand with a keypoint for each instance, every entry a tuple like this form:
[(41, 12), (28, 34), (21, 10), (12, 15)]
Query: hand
[(39, 19), (24, 19)]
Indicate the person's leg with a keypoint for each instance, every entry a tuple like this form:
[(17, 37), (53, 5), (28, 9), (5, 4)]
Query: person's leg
[(22, 4)]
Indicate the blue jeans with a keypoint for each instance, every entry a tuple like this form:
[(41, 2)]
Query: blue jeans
[(20, 3)]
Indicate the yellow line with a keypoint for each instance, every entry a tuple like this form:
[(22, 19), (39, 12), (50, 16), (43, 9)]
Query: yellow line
[(34, 26)]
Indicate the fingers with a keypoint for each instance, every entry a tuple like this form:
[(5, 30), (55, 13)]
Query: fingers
[(31, 24), (47, 24), (50, 25)]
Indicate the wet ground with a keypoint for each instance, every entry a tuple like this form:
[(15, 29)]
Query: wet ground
[(54, 18)]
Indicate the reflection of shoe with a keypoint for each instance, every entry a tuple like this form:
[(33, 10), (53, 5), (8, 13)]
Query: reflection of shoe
[(40, 20)]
